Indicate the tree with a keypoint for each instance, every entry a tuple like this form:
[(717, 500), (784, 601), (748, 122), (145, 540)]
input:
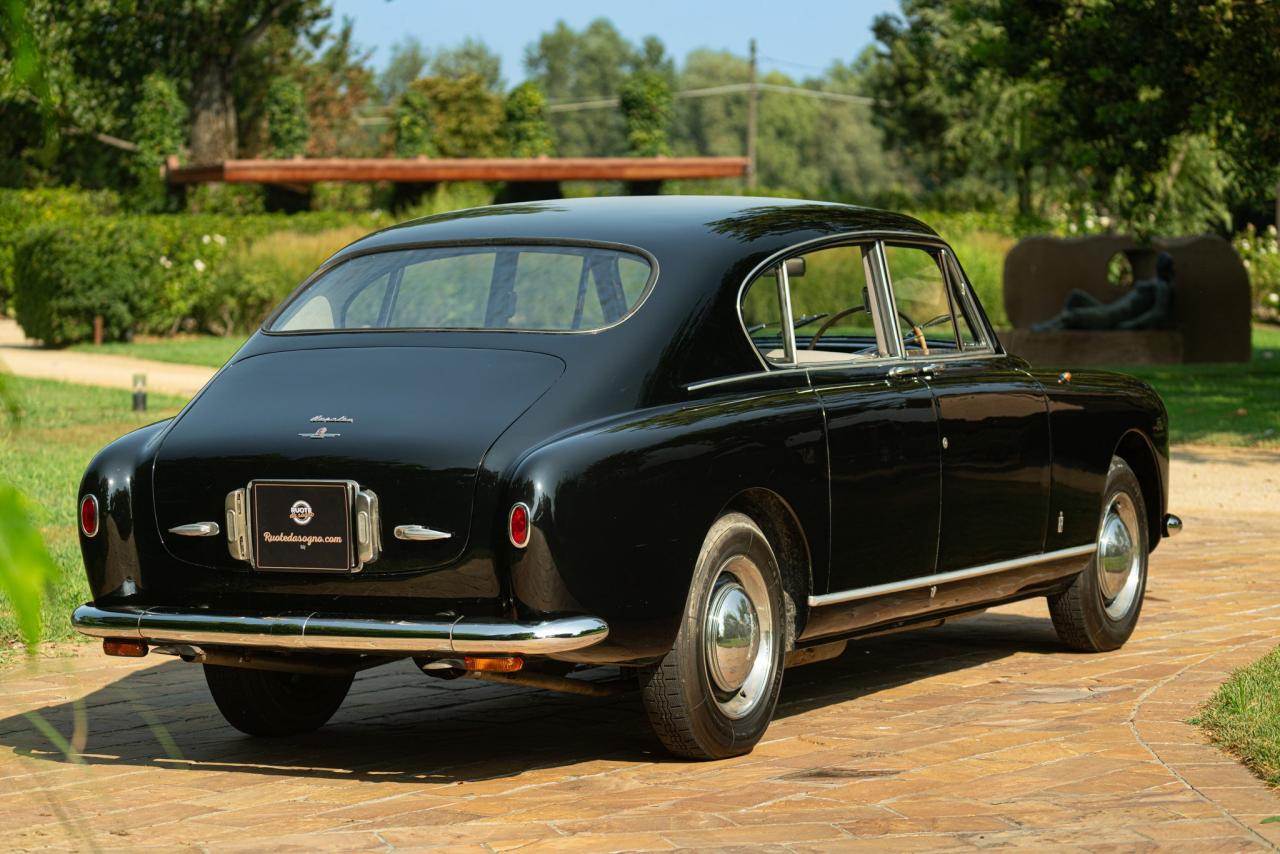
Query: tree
[(334, 75), (526, 128), (412, 131), (472, 57), (593, 63), (159, 129), (645, 101), (287, 118), (408, 61), (219, 34), (1111, 95)]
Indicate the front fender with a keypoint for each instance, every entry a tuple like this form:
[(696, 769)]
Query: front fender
[(619, 511), (120, 478)]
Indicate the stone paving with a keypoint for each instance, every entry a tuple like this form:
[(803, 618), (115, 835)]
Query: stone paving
[(981, 734)]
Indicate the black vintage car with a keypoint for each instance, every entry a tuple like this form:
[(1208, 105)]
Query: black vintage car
[(699, 439)]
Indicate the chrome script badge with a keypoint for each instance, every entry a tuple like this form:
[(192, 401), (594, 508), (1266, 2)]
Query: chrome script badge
[(328, 419), (320, 433)]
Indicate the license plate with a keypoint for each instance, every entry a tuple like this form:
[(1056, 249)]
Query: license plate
[(302, 526)]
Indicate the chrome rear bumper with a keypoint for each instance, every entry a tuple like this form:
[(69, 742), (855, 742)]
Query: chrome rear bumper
[(313, 632)]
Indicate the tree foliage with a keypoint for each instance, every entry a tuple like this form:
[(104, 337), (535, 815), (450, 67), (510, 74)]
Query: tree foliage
[(1135, 107), (570, 65), (287, 125), (645, 101), (526, 129), (412, 131), (159, 131)]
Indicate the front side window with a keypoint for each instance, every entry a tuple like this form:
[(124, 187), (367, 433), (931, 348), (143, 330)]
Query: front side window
[(533, 288)]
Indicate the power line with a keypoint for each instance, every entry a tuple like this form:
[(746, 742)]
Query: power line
[(727, 89)]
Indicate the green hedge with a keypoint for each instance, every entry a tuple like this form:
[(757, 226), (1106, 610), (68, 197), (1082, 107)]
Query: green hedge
[(155, 274), (23, 209)]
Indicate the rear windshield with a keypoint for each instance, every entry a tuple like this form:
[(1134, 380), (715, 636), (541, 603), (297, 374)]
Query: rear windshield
[(539, 288)]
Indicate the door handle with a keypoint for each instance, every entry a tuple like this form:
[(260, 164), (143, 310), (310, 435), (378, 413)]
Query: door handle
[(196, 529), (934, 368), (420, 533), (903, 371)]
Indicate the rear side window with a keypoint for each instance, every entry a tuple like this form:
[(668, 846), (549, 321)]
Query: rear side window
[(534, 288)]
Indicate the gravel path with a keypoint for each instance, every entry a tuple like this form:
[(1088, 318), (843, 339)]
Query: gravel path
[(22, 358)]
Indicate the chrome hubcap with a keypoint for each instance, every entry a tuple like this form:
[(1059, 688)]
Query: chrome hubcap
[(733, 636), (738, 637), (1119, 559)]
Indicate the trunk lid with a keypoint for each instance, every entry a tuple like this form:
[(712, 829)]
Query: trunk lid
[(420, 422)]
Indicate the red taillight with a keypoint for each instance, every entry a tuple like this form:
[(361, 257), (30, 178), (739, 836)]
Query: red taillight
[(89, 516), (518, 525)]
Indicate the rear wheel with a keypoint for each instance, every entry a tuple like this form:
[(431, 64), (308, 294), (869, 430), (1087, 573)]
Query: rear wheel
[(1100, 609), (713, 695), (271, 703)]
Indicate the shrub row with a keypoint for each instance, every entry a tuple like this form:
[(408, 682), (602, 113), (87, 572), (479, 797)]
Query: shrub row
[(23, 209), (158, 274)]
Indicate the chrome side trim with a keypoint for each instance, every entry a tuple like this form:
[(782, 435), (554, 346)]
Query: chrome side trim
[(420, 533), (946, 577), (336, 633), (197, 529), (1172, 525)]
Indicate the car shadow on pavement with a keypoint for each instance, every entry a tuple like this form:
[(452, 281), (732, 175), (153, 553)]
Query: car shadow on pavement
[(398, 724)]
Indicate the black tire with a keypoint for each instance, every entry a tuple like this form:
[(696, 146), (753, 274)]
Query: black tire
[(691, 716), (1084, 616), (270, 703)]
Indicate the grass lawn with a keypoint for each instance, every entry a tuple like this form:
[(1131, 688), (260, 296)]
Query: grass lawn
[(1243, 717), (209, 350), (44, 455), (1223, 404)]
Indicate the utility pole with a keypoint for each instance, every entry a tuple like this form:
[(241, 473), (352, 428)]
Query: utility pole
[(753, 113)]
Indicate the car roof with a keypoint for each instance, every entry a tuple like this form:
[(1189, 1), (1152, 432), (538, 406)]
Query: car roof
[(733, 225)]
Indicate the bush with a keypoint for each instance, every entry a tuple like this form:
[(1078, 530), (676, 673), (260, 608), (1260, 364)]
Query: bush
[(22, 209), (1261, 256), (262, 272), (65, 279), (161, 274)]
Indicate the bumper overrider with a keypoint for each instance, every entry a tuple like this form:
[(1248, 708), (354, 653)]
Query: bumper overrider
[(316, 632)]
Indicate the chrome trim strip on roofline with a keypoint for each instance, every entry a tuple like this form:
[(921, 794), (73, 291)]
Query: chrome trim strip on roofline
[(946, 577)]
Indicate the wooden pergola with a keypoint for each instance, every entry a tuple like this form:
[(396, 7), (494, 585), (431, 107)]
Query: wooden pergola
[(300, 172)]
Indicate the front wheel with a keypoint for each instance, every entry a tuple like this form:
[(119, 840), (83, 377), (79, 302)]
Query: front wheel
[(713, 695), (1100, 609), (271, 703)]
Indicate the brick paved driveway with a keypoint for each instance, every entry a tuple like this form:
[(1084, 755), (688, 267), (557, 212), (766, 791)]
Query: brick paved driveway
[(984, 733)]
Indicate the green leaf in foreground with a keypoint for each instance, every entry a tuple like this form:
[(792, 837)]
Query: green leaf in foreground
[(25, 565)]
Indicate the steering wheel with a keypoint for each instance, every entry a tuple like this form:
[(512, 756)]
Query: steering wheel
[(916, 329)]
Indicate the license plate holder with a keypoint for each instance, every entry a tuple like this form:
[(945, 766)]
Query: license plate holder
[(303, 525)]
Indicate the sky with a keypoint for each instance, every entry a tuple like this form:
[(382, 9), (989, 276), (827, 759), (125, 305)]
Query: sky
[(797, 37)]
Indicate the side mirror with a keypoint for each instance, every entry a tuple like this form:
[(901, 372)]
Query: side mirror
[(795, 269)]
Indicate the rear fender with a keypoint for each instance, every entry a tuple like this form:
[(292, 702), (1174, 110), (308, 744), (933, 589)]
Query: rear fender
[(620, 511)]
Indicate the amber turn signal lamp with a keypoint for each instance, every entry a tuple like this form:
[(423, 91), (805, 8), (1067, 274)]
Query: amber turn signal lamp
[(89, 515), (518, 525), (124, 648), (500, 664)]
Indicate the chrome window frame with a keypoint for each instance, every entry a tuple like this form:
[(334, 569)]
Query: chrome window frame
[(872, 238), (884, 304)]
